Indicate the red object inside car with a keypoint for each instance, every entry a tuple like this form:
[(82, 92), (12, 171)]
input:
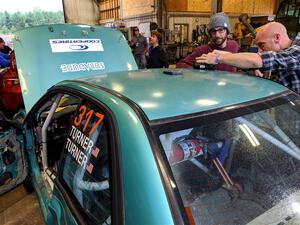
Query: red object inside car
[(10, 90)]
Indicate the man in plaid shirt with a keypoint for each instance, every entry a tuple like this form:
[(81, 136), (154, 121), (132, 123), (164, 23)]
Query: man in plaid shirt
[(278, 54)]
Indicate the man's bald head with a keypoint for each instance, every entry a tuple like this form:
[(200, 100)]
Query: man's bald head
[(272, 28), (272, 37)]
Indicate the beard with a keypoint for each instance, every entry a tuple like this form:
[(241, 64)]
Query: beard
[(218, 41)]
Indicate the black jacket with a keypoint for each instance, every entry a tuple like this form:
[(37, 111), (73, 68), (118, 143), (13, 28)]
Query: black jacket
[(6, 49), (157, 58)]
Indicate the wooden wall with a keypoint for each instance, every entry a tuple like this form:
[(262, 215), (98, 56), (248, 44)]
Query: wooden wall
[(85, 12), (176, 6), (132, 8), (188, 5), (252, 7), (199, 5), (109, 10)]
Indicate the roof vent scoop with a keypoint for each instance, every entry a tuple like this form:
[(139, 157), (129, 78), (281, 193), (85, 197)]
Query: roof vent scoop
[(174, 72)]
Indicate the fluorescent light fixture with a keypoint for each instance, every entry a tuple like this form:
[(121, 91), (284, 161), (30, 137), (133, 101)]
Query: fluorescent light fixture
[(114, 101), (133, 117), (117, 87), (86, 88), (221, 83), (148, 105), (206, 102), (249, 134), (296, 207), (84, 26), (157, 94), (172, 184), (129, 66), (292, 103)]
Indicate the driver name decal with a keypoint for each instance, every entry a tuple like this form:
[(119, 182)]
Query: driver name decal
[(76, 45), (80, 144)]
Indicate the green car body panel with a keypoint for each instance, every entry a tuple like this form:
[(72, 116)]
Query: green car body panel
[(144, 195), (163, 96), (142, 88), (135, 98), (46, 55)]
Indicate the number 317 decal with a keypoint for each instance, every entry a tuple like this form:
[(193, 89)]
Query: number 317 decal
[(84, 115)]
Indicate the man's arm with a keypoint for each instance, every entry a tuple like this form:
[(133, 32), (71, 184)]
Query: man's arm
[(243, 60), (4, 62), (163, 58), (145, 44), (190, 59)]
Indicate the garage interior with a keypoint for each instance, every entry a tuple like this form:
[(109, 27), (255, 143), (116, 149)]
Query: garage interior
[(179, 22)]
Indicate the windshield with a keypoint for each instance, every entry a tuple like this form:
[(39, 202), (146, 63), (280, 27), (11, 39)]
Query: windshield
[(243, 169)]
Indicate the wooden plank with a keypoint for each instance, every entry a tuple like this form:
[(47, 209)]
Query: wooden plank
[(137, 7), (251, 7), (177, 6), (199, 5)]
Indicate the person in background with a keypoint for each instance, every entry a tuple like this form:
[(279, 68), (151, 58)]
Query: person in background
[(3, 47), (4, 58), (278, 54), (140, 48), (218, 29), (157, 56)]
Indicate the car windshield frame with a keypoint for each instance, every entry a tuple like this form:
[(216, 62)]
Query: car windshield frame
[(173, 124)]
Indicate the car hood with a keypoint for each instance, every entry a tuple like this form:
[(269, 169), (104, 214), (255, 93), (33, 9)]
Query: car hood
[(48, 54)]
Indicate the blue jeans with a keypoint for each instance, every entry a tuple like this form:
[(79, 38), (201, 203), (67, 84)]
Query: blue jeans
[(140, 61)]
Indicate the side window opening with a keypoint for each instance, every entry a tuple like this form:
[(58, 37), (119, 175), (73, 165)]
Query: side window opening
[(85, 167), (48, 152)]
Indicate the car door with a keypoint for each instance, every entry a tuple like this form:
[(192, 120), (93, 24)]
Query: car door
[(76, 165), (85, 170), (13, 165)]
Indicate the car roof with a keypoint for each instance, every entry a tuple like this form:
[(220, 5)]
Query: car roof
[(162, 96)]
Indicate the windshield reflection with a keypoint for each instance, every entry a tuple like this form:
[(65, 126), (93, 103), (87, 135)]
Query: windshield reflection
[(244, 170)]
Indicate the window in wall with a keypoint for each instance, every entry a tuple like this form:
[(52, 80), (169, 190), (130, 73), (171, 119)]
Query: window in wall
[(282, 11), (182, 32)]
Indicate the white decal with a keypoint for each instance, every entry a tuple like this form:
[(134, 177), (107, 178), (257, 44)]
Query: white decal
[(76, 67), (78, 144), (76, 45)]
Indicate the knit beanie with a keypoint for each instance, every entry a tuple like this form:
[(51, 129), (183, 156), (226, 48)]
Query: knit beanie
[(219, 20)]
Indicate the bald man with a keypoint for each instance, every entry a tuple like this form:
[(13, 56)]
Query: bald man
[(277, 53)]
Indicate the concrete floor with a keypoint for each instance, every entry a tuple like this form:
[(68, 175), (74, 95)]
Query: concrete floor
[(17, 207)]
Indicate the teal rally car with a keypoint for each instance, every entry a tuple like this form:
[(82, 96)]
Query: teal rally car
[(118, 145)]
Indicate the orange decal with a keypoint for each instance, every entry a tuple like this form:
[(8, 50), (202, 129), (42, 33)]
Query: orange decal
[(77, 120), (101, 117), (88, 115)]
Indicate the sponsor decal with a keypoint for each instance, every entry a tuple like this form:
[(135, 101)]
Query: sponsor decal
[(86, 66), (76, 45), (80, 144)]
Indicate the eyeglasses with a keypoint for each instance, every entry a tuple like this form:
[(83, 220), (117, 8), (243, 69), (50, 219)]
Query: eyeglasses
[(220, 30)]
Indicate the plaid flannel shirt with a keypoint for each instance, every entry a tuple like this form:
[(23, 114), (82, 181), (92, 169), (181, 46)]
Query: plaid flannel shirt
[(286, 63)]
